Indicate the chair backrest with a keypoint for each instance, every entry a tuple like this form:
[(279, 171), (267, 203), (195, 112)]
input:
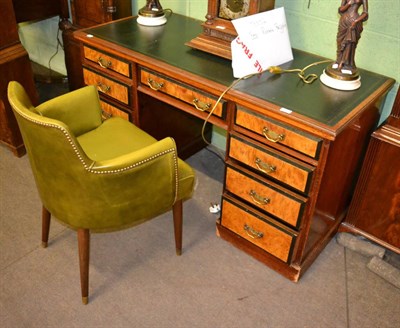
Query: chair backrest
[(54, 153), (79, 191)]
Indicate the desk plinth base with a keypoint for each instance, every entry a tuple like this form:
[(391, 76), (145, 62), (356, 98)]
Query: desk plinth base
[(272, 262)]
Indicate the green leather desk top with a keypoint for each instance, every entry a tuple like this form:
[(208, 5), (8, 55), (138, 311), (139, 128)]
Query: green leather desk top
[(167, 44)]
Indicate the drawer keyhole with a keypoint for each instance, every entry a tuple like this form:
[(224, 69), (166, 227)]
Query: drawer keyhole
[(265, 167), (272, 136), (259, 200)]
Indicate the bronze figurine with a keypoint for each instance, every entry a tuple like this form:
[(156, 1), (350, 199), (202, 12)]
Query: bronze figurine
[(349, 32), (348, 35)]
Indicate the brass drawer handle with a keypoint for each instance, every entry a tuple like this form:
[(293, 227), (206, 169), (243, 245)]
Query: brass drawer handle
[(253, 233), (105, 115), (259, 200), (154, 85), (265, 167), (200, 105), (272, 136), (103, 87), (104, 63)]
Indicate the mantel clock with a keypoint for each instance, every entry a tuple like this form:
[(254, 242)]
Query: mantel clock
[(218, 31)]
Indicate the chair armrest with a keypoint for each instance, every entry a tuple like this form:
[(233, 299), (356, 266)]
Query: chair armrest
[(149, 176), (80, 109)]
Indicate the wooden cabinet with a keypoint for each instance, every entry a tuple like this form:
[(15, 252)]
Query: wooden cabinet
[(293, 150), (14, 60), (86, 13), (375, 208), (14, 66)]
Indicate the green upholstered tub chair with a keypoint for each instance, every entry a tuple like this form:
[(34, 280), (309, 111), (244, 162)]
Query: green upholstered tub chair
[(94, 175)]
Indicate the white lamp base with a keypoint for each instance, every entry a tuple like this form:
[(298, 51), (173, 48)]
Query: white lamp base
[(340, 84), (152, 21)]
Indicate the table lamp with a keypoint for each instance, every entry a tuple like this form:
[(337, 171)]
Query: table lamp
[(152, 14)]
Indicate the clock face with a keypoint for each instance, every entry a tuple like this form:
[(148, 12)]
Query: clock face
[(232, 9)]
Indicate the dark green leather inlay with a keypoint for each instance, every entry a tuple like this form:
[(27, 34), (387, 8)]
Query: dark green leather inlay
[(167, 43)]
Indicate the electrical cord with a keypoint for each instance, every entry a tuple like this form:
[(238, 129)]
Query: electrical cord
[(308, 79), (215, 152), (55, 54), (170, 12)]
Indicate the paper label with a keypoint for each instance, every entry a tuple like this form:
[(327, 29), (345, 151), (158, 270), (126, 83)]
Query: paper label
[(263, 41)]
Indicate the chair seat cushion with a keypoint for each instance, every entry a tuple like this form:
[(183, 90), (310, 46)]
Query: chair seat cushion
[(116, 137)]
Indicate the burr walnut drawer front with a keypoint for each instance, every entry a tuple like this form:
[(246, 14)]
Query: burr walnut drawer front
[(271, 163), (107, 61), (276, 132), (107, 86), (258, 229), (265, 195), (200, 101), (108, 111)]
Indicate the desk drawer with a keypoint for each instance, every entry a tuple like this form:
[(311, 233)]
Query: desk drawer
[(271, 163), (107, 62), (265, 195), (258, 229), (200, 101), (278, 133), (109, 111), (107, 86)]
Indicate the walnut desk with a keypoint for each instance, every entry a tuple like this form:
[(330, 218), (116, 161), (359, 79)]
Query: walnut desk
[(293, 150)]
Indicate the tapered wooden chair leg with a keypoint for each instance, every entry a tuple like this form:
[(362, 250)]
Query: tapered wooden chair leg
[(84, 251), (178, 221), (46, 216)]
